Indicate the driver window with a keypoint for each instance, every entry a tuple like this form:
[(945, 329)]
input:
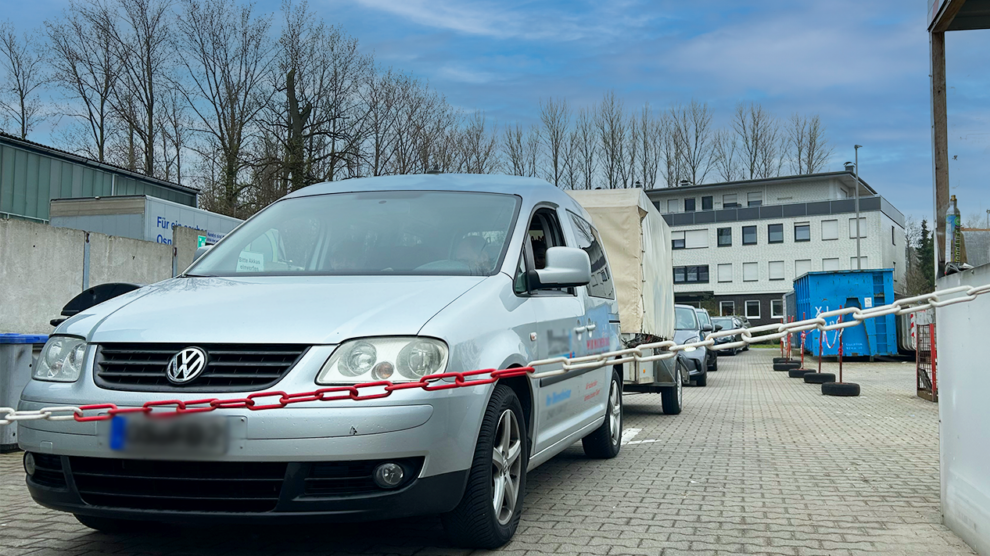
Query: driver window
[(544, 233)]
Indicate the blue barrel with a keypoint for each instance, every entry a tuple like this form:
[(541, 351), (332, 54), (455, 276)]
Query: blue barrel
[(819, 292)]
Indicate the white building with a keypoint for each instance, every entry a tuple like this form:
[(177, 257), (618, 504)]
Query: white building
[(743, 243)]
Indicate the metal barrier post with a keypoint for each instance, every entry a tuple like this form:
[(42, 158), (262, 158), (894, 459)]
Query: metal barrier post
[(85, 276)]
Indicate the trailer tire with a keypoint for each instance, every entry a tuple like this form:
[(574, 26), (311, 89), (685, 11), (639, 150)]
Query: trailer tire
[(840, 389), (819, 378), (798, 373), (672, 398)]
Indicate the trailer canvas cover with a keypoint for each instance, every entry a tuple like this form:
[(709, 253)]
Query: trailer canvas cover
[(637, 244)]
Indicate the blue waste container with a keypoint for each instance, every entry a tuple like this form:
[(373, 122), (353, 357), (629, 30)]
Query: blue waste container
[(18, 353), (819, 292)]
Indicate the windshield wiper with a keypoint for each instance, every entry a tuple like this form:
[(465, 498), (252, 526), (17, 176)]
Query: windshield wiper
[(198, 276)]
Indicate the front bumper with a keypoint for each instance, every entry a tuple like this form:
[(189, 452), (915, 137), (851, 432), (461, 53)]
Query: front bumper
[(437, 428), (290, 502)]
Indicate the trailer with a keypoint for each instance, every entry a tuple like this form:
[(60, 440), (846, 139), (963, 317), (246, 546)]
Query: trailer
[(637, 243), (138, 217)]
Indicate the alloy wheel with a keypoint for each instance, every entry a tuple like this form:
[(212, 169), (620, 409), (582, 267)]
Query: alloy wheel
[(615, 415), (506, 466)]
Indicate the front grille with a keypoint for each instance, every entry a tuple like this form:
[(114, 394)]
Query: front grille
[(48, 470), (229, 368), (239, 487), (352, 478)]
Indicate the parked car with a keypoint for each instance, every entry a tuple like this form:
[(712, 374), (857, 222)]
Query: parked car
[(357, 281), (687, 329), (744, 323), (707, 326), (728, 323)]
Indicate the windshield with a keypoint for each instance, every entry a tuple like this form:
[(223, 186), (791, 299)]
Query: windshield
[(685, 319), (725, 323), (369, 233)]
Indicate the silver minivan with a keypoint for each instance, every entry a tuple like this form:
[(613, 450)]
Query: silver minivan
[(379, 280)]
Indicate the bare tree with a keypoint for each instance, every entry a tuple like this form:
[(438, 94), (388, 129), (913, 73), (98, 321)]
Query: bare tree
[(818, 151), (611, 126), (514, 150), (84, 66), (761, 143), (23, 63), (556, 119), (629, 164), (479, 146), (226, 52), (587, 147), (571, 162), (692, 131), (724, 155), (651, 138), (673, 160)]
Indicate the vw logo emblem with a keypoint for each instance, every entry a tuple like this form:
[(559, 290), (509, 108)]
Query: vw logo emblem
[(186, 365)]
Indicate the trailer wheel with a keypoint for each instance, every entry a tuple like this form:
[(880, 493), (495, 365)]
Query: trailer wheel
[(672, 397), (819, 378)]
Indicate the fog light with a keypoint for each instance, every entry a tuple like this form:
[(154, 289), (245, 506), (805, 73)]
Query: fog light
[(383, 370), (29, 466), (388, 475)]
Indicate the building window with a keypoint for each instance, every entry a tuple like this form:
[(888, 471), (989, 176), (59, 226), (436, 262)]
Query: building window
[(863, 263), (696, 239), (707, 203), (751, 272), (753, 309), (729, 201), (776, 269), (677, 240), (830, 229), (830, 264), (775, 233), (749, 235), (852, 228), (725, 237), (691, 274), (727, 308), (776, 308), (657, 204), (801, 267), (802, 232), (672, 205), (725, 272), (754, 199), (689, 205)]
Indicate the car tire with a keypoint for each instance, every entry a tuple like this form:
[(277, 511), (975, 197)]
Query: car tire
[(475, 523), (840, 389), (702, 379), (714, 365), (112, 526), (672, 397), (606, 441), (819, 378)]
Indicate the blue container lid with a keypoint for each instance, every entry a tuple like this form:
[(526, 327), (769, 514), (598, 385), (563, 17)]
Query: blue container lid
[(23, 338)]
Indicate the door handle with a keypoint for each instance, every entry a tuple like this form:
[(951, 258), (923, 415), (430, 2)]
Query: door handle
[(580, 329), (591, 326)]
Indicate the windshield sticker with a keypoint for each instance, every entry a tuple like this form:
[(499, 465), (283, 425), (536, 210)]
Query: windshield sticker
[(250, 262)]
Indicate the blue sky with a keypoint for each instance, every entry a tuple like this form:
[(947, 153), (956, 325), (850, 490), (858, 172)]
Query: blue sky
[(862, 66)]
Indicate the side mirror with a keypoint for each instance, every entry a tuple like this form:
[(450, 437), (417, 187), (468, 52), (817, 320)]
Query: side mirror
[(567, 267), (718, 327), (200, 252), (707, 328)]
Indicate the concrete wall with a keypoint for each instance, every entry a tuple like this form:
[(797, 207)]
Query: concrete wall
[(185, 241), (41, 268), (963, 377)]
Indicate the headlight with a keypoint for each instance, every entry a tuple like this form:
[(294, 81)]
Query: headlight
[(689, 341), (394, 359), (61, 360)]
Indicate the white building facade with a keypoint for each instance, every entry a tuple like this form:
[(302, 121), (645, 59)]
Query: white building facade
[(742, 244)]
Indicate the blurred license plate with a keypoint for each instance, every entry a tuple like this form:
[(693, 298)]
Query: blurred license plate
[(184, 435)]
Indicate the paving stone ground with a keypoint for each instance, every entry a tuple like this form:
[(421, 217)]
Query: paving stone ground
[(757, 463)]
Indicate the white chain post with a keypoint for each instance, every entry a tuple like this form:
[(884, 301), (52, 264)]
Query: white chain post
[(668, 349)]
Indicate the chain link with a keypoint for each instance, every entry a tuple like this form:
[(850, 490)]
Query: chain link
[(643, 353)]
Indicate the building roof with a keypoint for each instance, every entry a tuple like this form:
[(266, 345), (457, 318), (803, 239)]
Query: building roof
[(763, 181), (78, 159)]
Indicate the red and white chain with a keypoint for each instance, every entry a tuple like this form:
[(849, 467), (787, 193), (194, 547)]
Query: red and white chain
[(383, 388)]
